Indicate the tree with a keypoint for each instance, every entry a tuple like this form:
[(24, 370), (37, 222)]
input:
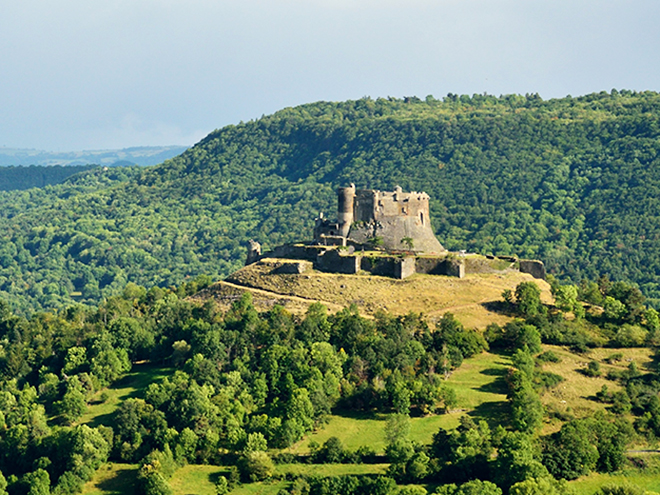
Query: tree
[(528, 299), (73, 403), (332, 451), (37, 482), (571, 452), (518, 459), (408, 242), (540, 486), (256, 466)]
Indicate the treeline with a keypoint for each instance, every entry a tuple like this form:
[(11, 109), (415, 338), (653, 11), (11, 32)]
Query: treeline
[(572, 181)]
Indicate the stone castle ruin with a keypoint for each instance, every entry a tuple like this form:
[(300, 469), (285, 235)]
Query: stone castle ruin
[(391, 220), (383, 233)]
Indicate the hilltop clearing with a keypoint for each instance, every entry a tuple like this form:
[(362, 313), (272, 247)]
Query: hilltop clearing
[(470, 299)]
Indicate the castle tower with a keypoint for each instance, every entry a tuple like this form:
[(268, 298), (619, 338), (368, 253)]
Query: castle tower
[(401, 220), (346, 197)]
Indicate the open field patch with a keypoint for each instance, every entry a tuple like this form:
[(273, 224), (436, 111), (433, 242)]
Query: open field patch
[(468, 298), (576, 395), (648, 478), (99, 411), (480, 390)]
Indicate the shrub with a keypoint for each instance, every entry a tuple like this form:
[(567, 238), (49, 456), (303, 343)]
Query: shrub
[(593, 369), (548, 357), (256, 466)]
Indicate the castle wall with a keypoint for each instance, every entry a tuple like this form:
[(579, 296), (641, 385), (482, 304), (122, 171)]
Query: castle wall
[(295, 251), (535, 268), (441, 266), (404, 268), (378, 265), (293, 267), (393, 216), (365, 205), (333, 261)]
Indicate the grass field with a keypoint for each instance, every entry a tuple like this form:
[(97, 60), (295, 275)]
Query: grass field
[(468, 298), (131, 385), (577, 393), (480, 390), (588, 485)]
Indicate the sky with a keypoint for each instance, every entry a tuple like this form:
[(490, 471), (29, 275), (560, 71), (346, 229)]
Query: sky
[(80, 74)]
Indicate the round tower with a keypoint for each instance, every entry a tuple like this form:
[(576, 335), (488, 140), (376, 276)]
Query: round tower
[(346, 200)]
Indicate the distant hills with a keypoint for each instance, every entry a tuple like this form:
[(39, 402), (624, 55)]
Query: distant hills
[(143, 156), (572, 181)]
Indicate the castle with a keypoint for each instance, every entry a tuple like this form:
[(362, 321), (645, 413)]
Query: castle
[(392, 220), (382, 233)]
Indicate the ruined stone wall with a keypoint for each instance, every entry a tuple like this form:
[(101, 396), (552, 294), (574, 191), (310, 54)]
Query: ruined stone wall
[(295, 251), (535, 268), (334, 262), (451, 267)]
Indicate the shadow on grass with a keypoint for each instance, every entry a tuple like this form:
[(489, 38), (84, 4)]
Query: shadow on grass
[(122, 482), (133, 384), (501, 307), (498, 385), (345, 413), (494, 413)]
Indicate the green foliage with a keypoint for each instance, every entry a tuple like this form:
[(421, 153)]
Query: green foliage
[(593, 369), (620, 489), (474, 487), (541, 486), (528, 299), (463, 454), (526, 407), (256, 466), (584, 445), (37, 482), (571, 181)]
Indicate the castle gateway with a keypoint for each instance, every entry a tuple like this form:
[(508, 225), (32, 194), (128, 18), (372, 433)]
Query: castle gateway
[(394, 220)]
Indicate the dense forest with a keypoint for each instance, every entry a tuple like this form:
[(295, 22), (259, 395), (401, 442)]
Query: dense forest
[(571, 181)]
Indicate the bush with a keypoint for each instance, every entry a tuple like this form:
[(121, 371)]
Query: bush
[(332, 451), (548, 357), (614, 358), (256, 466), (593, 369), (620, 489), (630, 336)]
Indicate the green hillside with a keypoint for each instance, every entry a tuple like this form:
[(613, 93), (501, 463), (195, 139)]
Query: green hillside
[(572, 181)]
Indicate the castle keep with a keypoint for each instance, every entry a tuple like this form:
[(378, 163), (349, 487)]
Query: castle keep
[(394, 220)]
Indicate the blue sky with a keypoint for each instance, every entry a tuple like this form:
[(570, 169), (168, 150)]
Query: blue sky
[(92, 75)]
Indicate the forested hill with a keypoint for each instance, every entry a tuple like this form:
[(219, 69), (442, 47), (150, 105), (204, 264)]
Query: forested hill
[(573, 181)]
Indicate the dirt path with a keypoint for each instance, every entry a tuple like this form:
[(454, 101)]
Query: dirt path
[(276, 295)]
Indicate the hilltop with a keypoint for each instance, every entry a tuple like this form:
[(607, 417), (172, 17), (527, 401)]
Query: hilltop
[(471, 299), (574, 182)]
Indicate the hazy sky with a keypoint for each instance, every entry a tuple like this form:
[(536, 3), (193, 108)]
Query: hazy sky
[(81, 74)]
